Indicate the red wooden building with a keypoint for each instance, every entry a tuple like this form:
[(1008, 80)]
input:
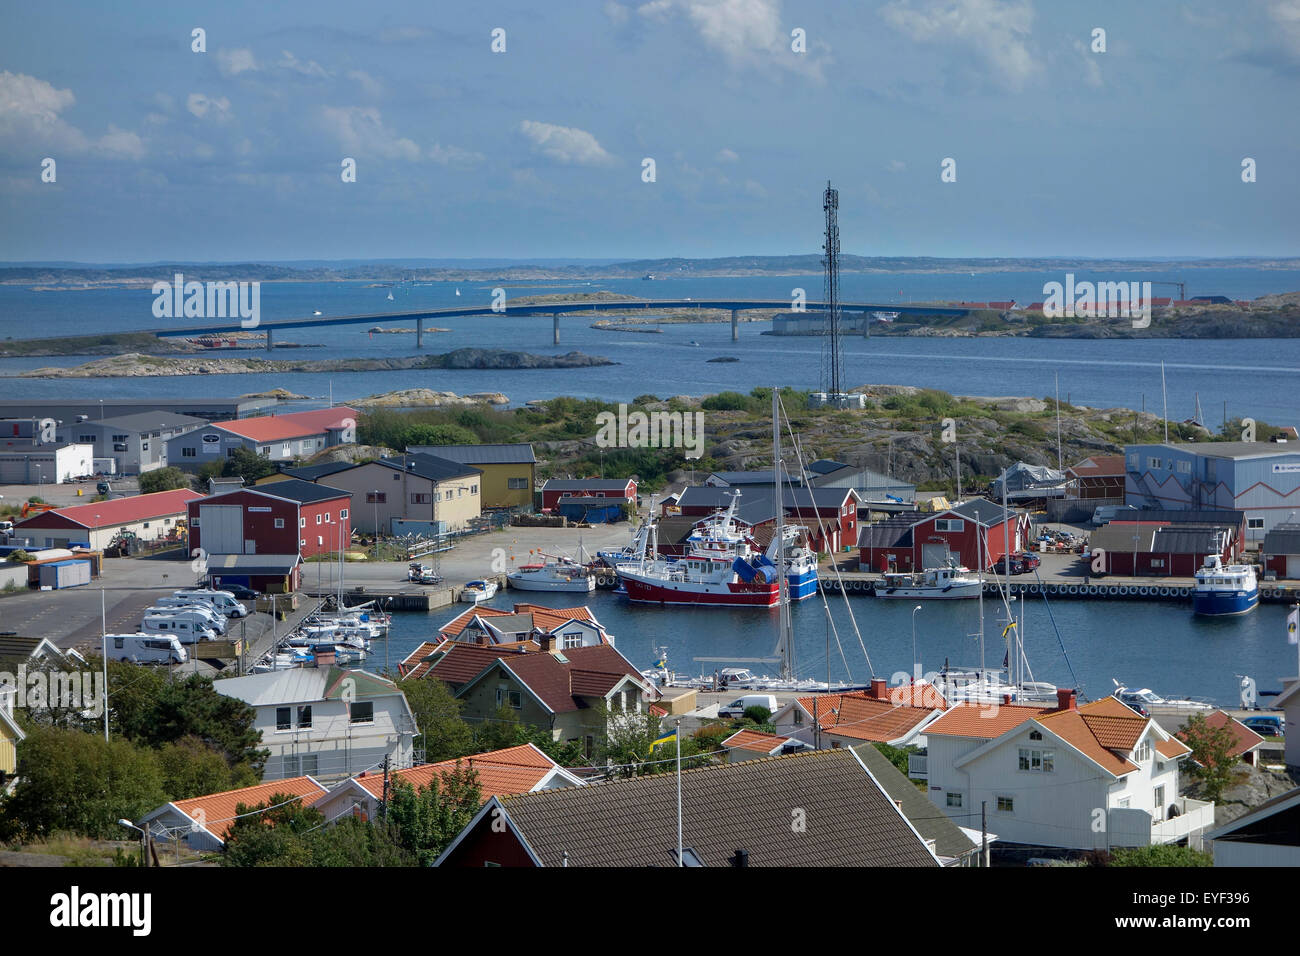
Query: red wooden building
[(284, 517), (618, 489), (975, 535)]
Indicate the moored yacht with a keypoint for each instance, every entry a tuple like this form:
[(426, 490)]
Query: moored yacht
[(555, 574), (931, 584)]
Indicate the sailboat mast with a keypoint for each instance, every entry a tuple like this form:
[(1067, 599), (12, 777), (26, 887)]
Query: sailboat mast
[(784, 637), (979, 553)]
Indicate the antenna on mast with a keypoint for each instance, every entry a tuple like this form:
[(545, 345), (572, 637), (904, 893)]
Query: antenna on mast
[(832, 361)]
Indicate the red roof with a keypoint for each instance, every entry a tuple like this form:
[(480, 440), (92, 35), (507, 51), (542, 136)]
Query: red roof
[(216, 811), (460, 662), (117, 511), (756, 741), (585, 672), (546, 618), (984, 721), (499, 772), (1099, 466), (290, 425), (862, 715), (1244, 739)]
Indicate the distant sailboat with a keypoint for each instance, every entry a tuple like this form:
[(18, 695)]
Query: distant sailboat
[(458, 291), (390, 296)]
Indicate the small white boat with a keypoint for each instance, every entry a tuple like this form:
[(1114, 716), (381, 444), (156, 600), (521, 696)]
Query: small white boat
[(935, 584), (476, 592), (458, 291), (1145, 700), (558, 574), (316, 312), (390, 297)]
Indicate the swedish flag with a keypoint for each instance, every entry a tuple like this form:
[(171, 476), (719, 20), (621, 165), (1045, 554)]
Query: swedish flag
[(1007, 628), (663, 738)]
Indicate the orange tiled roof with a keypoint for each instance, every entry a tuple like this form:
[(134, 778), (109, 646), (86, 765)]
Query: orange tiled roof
[(500, 772), (755, 740), (985, 721), (546, 618), (218, 809), (1116, 733), (1172, 748), (860, 716), (1244, 739), (920, 694), (1072, 726)]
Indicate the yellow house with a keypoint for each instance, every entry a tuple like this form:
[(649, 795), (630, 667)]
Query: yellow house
[(10, 734), (509, 470)]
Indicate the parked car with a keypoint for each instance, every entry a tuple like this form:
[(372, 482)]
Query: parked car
[(1029, 561), (1270, 726), (738, 706), (240, 592), (1010, 564)]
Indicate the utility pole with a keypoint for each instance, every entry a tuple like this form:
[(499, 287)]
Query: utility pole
[(984, 832), (383, 802)]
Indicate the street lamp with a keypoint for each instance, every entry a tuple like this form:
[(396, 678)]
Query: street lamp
[(916, 663), (128, 823)]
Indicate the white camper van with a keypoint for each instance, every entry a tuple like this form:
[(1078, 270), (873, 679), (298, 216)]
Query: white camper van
[(223, 601), (172, 605), (188, 626), (146, 648)]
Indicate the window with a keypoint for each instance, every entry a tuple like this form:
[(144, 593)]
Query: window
[(1185, 467), (189, 453), (1006, 805), (376, 497), (1035, 735), (954, 799), (318, 519), (1037, 761), (343, 513), (302, 542), (304, 717), (1256, 524), (86, 439), (572, 639), (1158, 802), (516, 484), (516, 699), (329, 517), (302, 522), (420, 499), (362, 712), (1143, 753), (144, 446), (1157, 562), (119, 438), (291, 766), (279, 522), (798, 715), (949, 524), (1124, 802), (282, 719), (473, 489), (265, 450), (1153, 462)]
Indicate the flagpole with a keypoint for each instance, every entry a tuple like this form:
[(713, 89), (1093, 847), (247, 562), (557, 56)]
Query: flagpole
[(680, 859)]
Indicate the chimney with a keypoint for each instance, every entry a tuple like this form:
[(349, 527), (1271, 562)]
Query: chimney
[(1006, 698), (878, 688), (1065, 699), (322, 655), (740, 858), (547, 641)]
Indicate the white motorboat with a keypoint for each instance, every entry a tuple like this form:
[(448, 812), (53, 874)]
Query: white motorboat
[(475, 592), (555, 574), (1144, 700), (933, 584)]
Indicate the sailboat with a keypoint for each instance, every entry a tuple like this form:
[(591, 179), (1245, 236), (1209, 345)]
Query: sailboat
[(390, 295), (458, 291)]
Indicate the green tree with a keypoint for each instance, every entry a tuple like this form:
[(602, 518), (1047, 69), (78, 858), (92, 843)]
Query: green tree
[(898, 755), (78, 782), (352, 842), (190, 768), (1214, 765), (426, 434), (272, 833), (443, 733), (423, 822), (163, 479), (133, 693), (501, 731), (242, 463), (193, 707)]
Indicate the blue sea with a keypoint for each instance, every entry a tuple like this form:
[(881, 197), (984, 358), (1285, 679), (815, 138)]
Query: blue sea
[(1233, 378)]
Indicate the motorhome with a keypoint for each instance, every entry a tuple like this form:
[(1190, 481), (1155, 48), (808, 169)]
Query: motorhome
[(146, 648), (223, 601), (172, 605), (186, 625)]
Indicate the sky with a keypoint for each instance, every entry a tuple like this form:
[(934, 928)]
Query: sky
[(538, 148)]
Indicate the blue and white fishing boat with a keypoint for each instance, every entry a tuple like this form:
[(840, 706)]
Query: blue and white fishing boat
[(1225, 589)]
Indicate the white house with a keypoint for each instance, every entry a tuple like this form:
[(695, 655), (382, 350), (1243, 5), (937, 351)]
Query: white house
[(326, 722), (1289, 703), (1267, 836), (1090, 777), (522, 769)]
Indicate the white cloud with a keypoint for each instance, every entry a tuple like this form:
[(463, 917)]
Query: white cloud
[(755, 189), (995, 29), (748, 33), (369, 85), (310, 68), (30, 111), (121, 142), (727, 156), (361, 129), (234, 62), (454, 156), (565, 144), (201, 105), (1286, 14)]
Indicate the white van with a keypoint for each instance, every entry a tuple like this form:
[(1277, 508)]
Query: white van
[(738, 706), (223, 601), (187, 626), (172, 605), (146, 648), (1110, 513)]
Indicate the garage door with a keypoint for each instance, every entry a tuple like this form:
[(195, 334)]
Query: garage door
[(222, 528), (1293, 566), (934, 555)]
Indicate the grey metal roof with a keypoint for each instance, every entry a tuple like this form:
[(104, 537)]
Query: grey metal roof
[(303, 492), (518, 453), (764, 476), (578, 484), (428, 467), (1228, 449), (316, 472), (279, 564), (1284, 538), (744, 805), (825, 466), (894, 532), (989, 512), (931, 822), (149, 421)]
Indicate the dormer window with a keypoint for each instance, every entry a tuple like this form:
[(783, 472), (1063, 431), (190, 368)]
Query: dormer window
[(1035, 735), (1143, 753)]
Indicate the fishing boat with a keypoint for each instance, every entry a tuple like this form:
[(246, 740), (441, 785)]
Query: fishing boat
[(558, 573), (476, 592), (935, 584), (1224, 589)]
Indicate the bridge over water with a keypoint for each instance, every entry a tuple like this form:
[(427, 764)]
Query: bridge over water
[(553, 309)]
